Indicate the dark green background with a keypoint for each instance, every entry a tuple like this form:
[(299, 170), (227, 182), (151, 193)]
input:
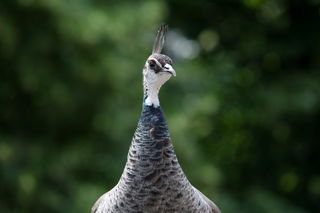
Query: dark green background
[(243, 111)]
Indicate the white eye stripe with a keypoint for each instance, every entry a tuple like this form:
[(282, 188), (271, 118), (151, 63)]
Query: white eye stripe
[(157, 62)]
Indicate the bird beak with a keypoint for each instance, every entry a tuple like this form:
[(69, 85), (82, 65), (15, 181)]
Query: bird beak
[(168, 68)]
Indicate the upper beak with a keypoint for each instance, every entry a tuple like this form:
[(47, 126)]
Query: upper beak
[(168, 68)]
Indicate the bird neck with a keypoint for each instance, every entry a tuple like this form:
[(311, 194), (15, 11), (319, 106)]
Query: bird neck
[(151, 150), (151, 92), (152, 126), (153, 117), (152, 175)]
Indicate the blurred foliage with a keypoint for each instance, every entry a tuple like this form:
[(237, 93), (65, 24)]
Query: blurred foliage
[(243, 111)]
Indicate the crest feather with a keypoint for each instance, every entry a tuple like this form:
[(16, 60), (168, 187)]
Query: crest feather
[(160, 38)]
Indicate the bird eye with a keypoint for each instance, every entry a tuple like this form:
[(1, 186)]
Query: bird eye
[(152, 64)]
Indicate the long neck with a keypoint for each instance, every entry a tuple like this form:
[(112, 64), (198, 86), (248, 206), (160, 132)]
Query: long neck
[(153, 180), (151, 153), (151, 139), (151, 92)]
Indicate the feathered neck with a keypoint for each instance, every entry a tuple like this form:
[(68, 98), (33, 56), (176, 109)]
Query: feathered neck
[(152, 115), (151, 93)]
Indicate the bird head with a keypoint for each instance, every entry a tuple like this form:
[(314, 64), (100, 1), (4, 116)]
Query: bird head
[(158, 68)]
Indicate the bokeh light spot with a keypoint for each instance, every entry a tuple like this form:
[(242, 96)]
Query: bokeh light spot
[(208, 40), (289, 181), (27, 182)]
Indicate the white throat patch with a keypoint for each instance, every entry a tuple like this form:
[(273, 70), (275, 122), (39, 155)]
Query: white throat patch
[(152, 83)]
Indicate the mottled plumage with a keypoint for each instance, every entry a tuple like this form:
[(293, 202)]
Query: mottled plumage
[(152, 180)]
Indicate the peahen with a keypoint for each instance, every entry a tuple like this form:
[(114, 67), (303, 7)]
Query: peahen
[(152, 180)]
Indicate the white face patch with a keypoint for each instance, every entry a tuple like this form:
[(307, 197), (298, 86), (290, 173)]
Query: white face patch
[(169, 68), (153, 81)]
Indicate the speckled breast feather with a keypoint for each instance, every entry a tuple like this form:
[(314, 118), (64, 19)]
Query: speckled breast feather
[(153, 181)]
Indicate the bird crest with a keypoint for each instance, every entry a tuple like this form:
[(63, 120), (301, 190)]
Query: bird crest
[(160, 38)]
